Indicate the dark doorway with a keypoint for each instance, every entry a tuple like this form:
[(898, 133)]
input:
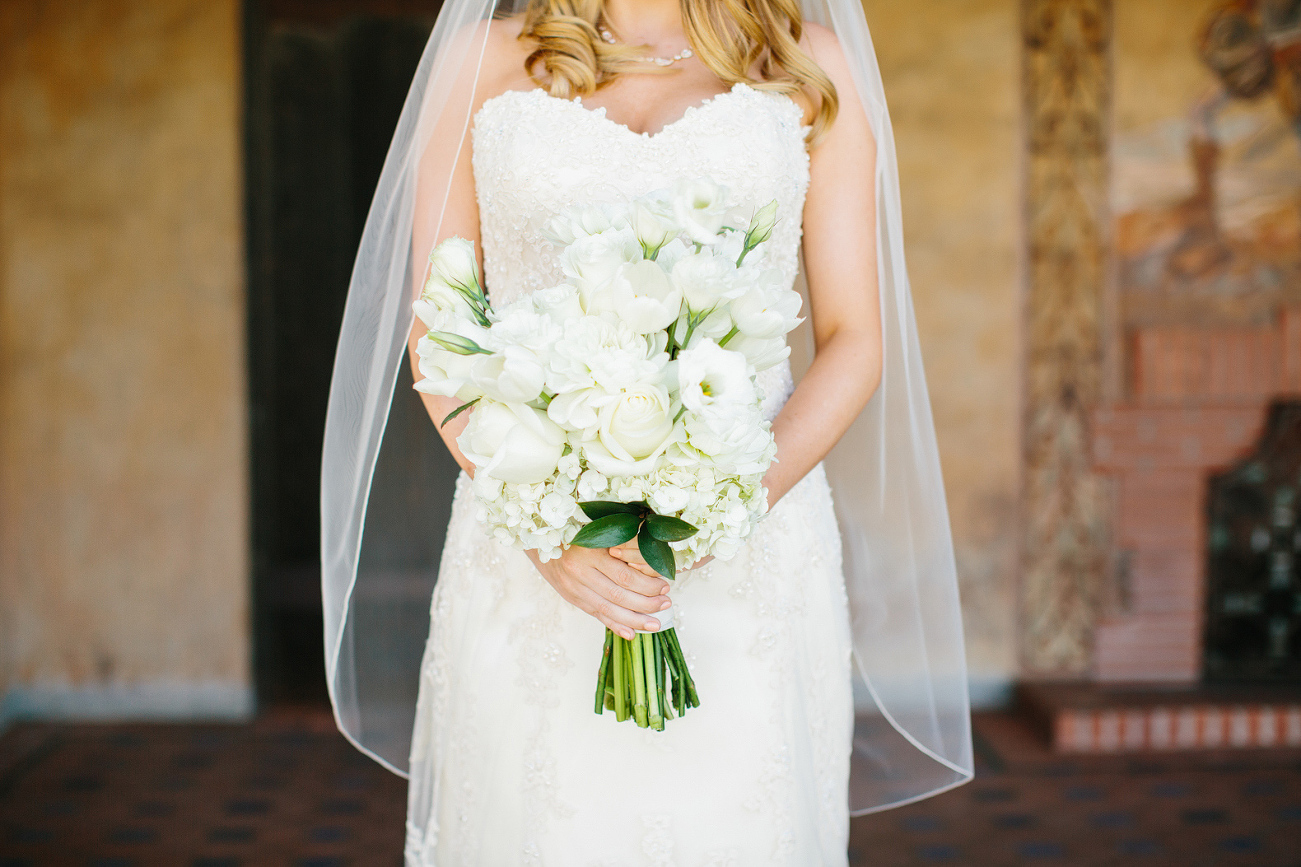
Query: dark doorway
[(325, 83)]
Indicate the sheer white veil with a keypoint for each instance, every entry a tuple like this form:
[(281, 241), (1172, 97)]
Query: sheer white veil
[(913, 737)]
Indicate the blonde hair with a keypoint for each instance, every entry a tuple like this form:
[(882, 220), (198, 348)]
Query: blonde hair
[(729, 36)]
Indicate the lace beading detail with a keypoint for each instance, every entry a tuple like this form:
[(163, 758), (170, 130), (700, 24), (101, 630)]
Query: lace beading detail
[(536, 155)]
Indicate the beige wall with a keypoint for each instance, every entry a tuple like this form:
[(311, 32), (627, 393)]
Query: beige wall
[(951, 76), (123, 502)]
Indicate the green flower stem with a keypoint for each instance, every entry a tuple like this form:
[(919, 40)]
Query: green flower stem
[(604, 672), (650, 660), (692, 699), (620, 681), (639, 707)]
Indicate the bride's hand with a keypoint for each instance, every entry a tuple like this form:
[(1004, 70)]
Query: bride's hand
[(612, 591), (629, 553)]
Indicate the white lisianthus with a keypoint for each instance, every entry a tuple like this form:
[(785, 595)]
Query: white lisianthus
[(767, 309), (711, 377), (522, 339), (580, 222), (762, 354), (594, 361), (706, 280), (511, 442), (737, 441), (644, 297), (592, 261), (454, 264), (559, 302), (438, 297), (445, 372), (653, 226), (701, 209), (634, 429)]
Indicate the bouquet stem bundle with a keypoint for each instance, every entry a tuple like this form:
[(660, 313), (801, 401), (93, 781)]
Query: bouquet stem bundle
[(645, 679)]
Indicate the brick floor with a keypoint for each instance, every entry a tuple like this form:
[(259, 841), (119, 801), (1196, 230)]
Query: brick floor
[(288, 790)]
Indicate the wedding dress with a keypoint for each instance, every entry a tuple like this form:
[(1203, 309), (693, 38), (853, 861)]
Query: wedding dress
[(509, 764)]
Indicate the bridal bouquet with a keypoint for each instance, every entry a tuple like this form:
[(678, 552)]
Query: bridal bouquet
[(621, 403)]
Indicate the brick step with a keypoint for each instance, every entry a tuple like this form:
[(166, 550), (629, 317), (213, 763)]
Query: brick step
[(1087, 718)]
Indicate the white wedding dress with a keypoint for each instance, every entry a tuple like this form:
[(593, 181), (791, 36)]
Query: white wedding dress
[(509, 764)]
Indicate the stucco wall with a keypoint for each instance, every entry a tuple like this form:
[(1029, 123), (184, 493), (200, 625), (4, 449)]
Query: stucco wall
[(951, 77), (123, 573)]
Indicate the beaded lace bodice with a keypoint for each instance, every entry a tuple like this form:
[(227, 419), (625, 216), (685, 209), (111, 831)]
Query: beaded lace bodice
[(536, 155)]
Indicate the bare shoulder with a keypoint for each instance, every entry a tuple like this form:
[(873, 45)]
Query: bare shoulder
[(822, 45), (491, 57)]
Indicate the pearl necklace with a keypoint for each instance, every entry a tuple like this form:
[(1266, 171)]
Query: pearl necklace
[(658, 61)]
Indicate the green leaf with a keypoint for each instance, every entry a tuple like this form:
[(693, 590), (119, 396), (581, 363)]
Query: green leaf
[(658, 554), (600, 508), (668, 529), (460, 409), (608, 532)]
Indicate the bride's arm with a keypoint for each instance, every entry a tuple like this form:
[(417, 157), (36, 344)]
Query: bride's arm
[(593, 581), (840, 265), (840, 268)]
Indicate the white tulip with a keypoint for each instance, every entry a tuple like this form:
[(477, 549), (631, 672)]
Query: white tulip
[(710, 376), (644, 297), (513, 443), (767, 309), (701, 208)]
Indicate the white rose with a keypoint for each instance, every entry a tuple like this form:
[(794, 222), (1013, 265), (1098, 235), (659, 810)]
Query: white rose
[(763, 354), (644, 297), (710, 376), (516, 444), (706, 280), (593, 260), (634, 430), (767, 309), (700, 208)]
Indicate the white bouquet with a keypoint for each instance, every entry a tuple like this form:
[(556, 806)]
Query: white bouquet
[(622, 403)]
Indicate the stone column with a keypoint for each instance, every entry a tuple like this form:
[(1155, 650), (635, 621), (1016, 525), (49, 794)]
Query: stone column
[(1066, 90)]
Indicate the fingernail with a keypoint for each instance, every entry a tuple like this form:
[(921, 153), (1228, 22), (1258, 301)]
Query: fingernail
[(652, 626), (668, 603)]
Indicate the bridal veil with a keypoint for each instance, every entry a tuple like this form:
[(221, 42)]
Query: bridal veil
[(913, 737)]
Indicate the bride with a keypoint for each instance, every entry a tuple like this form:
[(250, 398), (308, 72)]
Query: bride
[(524, 110)]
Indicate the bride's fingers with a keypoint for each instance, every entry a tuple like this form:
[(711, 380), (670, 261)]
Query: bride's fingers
[(640, 573), (629, 553), (607, 604)]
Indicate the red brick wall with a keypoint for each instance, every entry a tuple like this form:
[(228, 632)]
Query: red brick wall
[(1197, 402)]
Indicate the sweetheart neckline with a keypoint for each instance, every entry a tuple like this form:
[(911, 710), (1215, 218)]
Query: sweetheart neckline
[(599, 113)]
